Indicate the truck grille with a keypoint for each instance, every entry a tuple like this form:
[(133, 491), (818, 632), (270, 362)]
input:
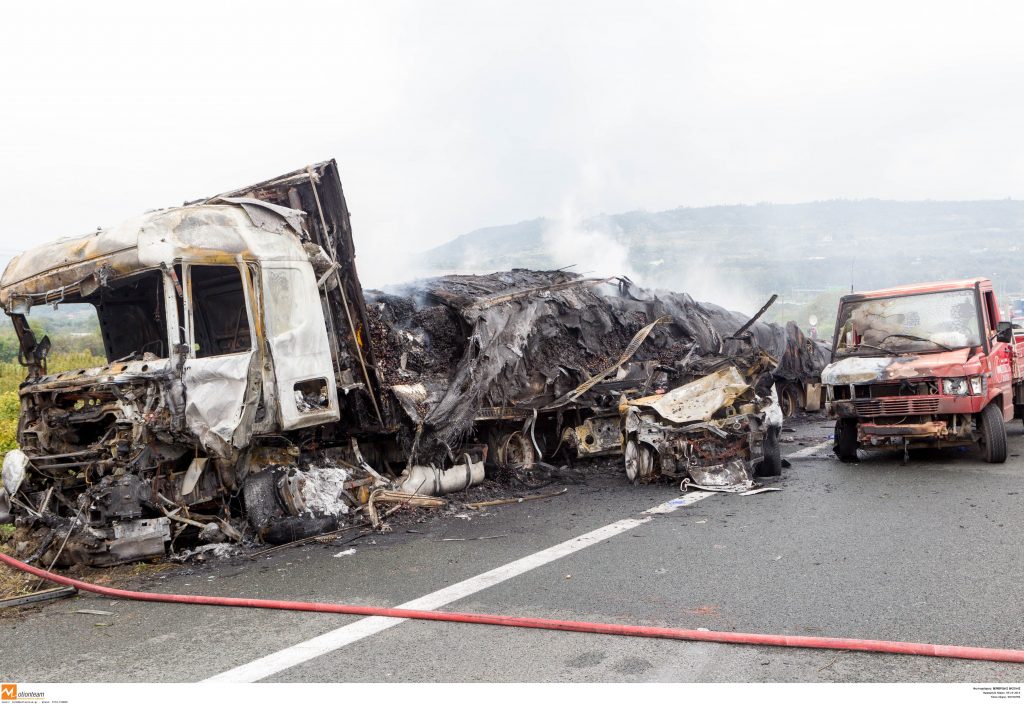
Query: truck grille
[(897, 406)]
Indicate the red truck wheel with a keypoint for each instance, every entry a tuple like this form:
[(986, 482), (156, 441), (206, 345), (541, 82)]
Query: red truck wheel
[(845, 445), (993, 434)]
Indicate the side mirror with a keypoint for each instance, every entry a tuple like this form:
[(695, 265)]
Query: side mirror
[(42, 350), (1004, 331)]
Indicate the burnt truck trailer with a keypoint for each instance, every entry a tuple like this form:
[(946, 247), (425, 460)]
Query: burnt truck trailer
[(535, 364), (241, 348)]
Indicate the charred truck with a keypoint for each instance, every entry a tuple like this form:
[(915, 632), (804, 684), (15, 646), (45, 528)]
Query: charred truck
[(231, 325), (925, 365), (250, 387)]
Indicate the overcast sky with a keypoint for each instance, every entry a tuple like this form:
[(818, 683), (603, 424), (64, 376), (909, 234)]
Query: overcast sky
[(448, 116)]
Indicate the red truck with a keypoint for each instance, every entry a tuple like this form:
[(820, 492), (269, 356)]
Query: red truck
[(924, 365)]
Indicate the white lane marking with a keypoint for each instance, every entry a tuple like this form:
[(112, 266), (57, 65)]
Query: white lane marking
[(808, 451), (684, 500), (332, 640)]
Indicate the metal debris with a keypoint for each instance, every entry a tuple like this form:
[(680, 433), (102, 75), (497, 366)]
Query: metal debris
[(41, 595)]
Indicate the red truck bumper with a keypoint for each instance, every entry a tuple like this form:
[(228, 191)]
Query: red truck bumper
[(933, 433), (931, 429)]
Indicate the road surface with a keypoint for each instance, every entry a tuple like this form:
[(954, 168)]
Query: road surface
[(929, 552)]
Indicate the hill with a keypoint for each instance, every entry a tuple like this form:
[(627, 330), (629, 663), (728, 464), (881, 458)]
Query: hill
[(798, 250)]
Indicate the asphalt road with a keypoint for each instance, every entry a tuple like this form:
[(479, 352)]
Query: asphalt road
[(929, 552)]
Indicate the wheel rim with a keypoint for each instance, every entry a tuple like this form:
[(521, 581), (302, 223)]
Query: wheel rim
[(517, 450), (639, 461), (630, 456), (788, 404)]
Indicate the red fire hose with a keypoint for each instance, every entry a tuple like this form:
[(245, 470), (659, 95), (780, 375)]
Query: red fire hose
[(872, 646)]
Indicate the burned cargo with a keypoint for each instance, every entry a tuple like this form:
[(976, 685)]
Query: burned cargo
[(543, 361)]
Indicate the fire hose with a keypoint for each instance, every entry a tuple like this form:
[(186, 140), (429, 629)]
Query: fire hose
[(614, 629)]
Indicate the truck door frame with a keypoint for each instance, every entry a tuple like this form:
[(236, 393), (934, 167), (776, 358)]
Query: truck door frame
[(222, 391)]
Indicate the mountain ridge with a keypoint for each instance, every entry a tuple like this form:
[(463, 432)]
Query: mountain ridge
[(818, 245)]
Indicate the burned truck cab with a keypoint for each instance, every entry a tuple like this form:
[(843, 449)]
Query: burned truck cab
[(214, 336)]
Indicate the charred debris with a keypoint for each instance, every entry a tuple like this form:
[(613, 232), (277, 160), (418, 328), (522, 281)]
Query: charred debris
[(254, 391)]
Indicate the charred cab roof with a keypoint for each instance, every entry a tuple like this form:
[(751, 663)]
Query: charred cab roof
[(911, 289), (222, 230)]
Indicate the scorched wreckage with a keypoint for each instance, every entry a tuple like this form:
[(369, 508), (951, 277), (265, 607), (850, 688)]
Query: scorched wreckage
[(254, 390)]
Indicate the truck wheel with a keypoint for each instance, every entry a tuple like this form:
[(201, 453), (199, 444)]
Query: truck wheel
[(845, 445), (515, 450), (259, 492), (771, 463), (639, 461), (993, 434), (788, 401)]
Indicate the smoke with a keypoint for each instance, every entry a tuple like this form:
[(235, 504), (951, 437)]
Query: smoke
[(587, 245), (588, 249), (706, 280), (381, 263), (597, 247)]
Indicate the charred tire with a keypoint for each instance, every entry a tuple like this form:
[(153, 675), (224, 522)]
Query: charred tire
[(993, 434), (639, 460), (771, 463), (788, 401), (259, 492), (514, 450), (291, 528), (845, 445)]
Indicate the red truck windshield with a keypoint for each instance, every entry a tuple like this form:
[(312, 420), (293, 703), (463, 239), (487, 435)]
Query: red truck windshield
[(925, 322)]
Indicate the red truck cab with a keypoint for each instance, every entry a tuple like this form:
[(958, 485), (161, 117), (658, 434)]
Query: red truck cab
[(924, 365)]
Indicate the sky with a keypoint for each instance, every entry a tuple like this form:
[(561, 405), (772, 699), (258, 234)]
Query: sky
[(449, 116)]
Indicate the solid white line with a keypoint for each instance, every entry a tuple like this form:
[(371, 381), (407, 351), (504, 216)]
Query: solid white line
[(332, 640), (808, 451)]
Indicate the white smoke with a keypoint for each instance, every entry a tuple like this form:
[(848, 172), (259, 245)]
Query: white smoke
[(706, 280), (587, 249), (599, 250)]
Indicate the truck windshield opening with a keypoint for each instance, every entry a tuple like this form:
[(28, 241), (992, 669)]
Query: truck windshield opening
[(122, 320), (926, 322)]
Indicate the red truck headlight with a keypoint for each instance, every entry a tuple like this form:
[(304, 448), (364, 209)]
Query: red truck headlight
[(955, 386)]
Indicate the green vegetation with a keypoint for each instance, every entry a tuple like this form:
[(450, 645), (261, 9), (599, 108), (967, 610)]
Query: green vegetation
[(11, 376), (823, 306), (72, 329), (75, 340)]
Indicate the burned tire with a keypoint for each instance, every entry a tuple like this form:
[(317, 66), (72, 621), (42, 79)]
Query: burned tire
[(993, 434), (268, 515), (259, 493), (639, 461), (514, 450), (788, 401), (771, 463), (845, 445)]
